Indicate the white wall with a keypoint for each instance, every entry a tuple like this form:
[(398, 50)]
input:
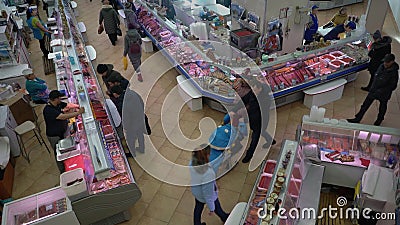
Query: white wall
[(395, 6)]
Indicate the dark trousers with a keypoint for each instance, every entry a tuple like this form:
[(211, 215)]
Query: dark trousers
[(367, 103), (255, 137), (307, 42), (371, 80), (113, 38), (43, 46), (198, 210), (53, 142)]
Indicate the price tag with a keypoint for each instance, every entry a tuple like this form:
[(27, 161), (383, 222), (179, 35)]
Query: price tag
[(324, 77)]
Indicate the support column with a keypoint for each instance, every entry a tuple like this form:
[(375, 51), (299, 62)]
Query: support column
[(376, 14)]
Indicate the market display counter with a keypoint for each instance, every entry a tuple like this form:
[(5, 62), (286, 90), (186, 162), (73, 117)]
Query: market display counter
[(213, 63), (98, 181)]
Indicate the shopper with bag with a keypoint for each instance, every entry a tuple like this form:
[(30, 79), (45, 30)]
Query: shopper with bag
[(130, 15), (222, 139), (203, 186), (134, 121), (109, 21), (133, 48), (39, 29)]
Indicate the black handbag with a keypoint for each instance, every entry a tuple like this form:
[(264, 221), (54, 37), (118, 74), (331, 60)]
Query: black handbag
[(148, 129), (119, 31)]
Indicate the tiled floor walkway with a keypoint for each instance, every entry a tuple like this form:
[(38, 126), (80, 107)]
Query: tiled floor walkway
[(161, 203)]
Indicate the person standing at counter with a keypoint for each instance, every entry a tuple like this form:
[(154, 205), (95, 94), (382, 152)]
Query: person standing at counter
[(334, 34), (109, 16), (38, 28), (169, 8), (203, 186), (380, 48), (311, 26), (133, 48), (385, 82), (106, 71), (337, 19), (56, 121), (118, 81), (36, 87)]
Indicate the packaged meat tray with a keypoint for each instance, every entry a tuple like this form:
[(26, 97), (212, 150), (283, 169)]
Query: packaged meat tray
[(347, 60), (337, 54), (336, 64), (326, 57)]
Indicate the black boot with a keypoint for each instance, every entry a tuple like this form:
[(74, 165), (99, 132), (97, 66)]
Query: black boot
[(354, 120), (378, 122)]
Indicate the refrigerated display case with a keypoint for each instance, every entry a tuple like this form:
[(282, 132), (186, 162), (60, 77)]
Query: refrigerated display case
[(45, 208), (107, 187), (278, 186), (288, 75), (346, 149)]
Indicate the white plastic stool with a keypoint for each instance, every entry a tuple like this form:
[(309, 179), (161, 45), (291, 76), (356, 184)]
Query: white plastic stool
[(82, 29), (74, 7), (236, 214), (91, 52), (189, 93), (147, 45), (25, 128)]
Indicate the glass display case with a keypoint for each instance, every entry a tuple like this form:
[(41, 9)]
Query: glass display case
[(287, 75), (278, 186), (346, 143), (48, 207), (96, 149)]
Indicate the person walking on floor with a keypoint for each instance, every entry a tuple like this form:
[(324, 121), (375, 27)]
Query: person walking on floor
[(203, 186), (130, 15), (385, 82), (109, 16), (56, 121), (133, 48), (134, 121), (38, 28), (380, 48), (36, 87)]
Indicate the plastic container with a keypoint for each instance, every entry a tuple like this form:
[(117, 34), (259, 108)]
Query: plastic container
[(270, 166), (69, 154), (337, 54), (265, 180), (336, 64), (77, 188), (294, 187), (326, 57)]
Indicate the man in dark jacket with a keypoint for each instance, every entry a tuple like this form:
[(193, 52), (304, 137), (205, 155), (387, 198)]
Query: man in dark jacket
[(385, 82), (106, 71), (118, 81), (118, 93), (380, 48), (341, 28)]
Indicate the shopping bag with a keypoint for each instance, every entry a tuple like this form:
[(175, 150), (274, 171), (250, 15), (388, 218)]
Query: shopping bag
[(100, 29), (125, 61)]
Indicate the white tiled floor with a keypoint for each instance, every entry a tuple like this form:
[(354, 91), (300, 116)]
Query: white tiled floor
[(162, 203)]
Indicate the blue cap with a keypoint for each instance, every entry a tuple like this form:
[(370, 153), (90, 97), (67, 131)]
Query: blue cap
[(314, 7), (352, 25)]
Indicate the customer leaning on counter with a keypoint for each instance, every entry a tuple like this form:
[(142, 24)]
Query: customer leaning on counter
[(337, 19), (334, 34), (56, 120)]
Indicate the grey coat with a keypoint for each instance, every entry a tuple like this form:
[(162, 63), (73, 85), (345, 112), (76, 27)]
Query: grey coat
[(110, 18), (132, 36)]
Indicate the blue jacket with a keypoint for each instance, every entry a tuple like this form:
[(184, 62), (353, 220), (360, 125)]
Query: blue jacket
[(309, 33), (204, 187)]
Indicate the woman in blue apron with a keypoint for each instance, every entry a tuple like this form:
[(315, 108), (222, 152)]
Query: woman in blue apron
[(38, 28), (312, 26)]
